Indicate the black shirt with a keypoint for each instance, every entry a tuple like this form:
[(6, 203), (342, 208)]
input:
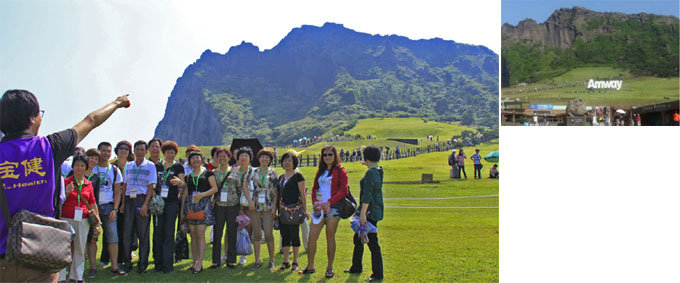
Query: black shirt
[(63, 145), (203, 183), (290, 193), (173, 171)]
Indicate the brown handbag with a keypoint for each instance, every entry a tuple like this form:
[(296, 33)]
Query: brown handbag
[(36, 241), (195, 215), (92, 217)]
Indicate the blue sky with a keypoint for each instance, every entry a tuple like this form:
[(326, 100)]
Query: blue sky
[(77, 56), (513, 11)]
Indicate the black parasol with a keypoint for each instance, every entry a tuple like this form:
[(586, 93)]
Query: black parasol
[(254, 145)]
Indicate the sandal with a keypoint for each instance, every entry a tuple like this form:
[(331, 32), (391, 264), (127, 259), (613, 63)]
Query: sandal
[(257, 265), (330, 273), (294, 266), (271, 266), (284, 266), (307, 271), (198, 271)]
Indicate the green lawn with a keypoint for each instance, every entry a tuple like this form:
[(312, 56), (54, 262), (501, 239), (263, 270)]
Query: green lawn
[(383, 129), (418, 244), (636, 91)]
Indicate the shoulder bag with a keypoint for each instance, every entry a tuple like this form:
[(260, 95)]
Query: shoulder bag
[(292, 214), (35, 240)]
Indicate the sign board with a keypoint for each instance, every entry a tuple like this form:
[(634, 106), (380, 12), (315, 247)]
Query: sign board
[(541, 106)]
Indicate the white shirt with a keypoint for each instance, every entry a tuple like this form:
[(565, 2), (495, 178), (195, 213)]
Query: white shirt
[(325, 186), (139, 178), (106, 176), (66, 166)]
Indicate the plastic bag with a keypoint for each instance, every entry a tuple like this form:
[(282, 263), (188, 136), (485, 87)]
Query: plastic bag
[(243, 246), (242, 220), (356, 225)]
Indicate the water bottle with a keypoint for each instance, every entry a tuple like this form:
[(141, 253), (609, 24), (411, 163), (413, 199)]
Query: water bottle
[(363, 234), (317, 211), (96, 231)]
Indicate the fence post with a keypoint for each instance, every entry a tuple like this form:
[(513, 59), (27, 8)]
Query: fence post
[(314, 160)]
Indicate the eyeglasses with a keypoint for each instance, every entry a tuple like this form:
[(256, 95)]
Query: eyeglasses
[(328, 154), (42, 113)]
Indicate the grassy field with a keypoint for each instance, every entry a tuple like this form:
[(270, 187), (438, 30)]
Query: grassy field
[(454, 240), (636, 91), (383, 129)]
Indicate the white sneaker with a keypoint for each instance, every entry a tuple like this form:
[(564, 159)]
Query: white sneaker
[(242, 261)]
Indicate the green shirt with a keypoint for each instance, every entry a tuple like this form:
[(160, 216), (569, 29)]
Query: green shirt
[(371, 193)]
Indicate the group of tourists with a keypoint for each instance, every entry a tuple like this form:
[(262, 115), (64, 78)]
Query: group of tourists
[(115, 200), (457, 163)]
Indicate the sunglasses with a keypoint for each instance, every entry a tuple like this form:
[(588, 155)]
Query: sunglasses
[(328, 154)]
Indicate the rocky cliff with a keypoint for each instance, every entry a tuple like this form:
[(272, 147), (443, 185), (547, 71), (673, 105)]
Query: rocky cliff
[(566, 25), (644, 44)]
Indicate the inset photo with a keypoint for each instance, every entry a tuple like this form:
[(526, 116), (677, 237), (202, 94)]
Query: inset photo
[(590, 63)]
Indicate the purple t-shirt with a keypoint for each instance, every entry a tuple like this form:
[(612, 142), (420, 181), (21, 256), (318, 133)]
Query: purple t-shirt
[(28, 170)]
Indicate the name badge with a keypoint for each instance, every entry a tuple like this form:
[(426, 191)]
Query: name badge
[(133, 193), (164, 191), (261, 197), (223, 196), (78, 214)]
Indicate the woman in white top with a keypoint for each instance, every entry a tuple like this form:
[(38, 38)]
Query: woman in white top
[(330, 187)]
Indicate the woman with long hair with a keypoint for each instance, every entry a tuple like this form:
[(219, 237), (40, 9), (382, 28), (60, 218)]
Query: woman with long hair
[(200, 186), (461, 162), (330, 187)]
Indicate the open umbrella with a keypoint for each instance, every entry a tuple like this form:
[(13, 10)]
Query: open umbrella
[(254, 145), (492, 156), (621, 111)]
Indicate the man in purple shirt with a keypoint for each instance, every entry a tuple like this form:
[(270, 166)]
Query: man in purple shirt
[(29, 166)]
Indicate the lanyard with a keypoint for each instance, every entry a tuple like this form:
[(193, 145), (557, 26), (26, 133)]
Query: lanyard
[(263, 178), (219, 168), (89, 177), (102, 179), (195, 179), (165, 179), (80, 187), (241, 174), (139, 168)]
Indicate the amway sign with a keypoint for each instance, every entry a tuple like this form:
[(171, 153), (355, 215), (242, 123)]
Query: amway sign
[(614, 84)]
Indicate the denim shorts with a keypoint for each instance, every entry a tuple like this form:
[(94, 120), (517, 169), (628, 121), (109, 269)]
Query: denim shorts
[(335, 212), (110, 227)]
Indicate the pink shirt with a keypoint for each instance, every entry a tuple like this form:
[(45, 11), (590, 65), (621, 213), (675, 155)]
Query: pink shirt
[(461, 159)]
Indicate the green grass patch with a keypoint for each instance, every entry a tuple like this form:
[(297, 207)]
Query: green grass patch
[(636, 91)]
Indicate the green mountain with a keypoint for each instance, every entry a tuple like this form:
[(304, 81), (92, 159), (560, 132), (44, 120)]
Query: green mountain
[(643, 44), (322, 78)]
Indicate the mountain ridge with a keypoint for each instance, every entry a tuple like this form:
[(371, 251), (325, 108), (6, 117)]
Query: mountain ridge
[(327, 71)]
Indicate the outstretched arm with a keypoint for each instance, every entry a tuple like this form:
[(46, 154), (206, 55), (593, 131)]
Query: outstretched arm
[(98, 117)]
